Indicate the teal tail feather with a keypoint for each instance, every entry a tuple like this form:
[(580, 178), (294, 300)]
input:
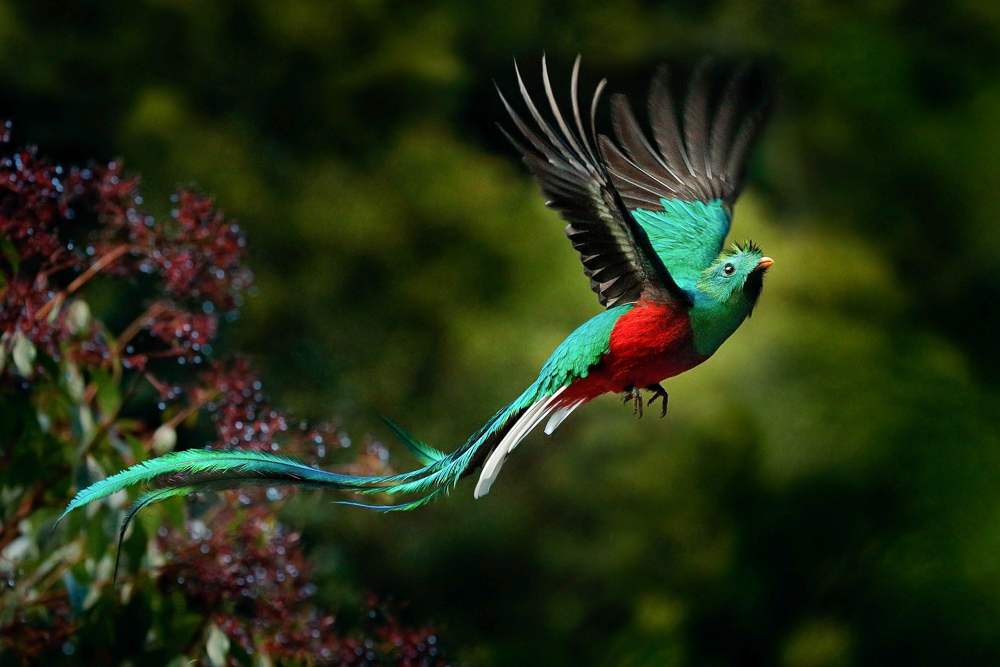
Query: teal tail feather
[(189, 471), (422, 452)]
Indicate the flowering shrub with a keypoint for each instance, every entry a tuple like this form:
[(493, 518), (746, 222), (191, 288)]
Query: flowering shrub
[(79, 401)]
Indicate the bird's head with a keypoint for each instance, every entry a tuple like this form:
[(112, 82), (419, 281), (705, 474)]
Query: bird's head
[(737, 274)]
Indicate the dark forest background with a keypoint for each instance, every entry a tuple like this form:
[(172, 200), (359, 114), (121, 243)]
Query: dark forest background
[(824, 491)]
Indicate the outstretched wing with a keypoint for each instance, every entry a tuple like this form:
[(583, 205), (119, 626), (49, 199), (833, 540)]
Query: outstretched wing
[(682, 192), (614, 248)]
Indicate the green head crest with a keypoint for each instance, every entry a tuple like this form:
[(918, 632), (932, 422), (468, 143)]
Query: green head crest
[(737, 272)]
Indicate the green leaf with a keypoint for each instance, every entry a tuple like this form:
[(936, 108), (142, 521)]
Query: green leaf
[(52, 368), (83, 426), (9, 251), (109, 397), (76, 590), (72, 380), (79, 315), (23, 355), (217, 646), (164, 439), (97, 532)]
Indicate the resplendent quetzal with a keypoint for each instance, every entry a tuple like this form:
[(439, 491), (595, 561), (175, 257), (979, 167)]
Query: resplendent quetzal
[(650, 226)]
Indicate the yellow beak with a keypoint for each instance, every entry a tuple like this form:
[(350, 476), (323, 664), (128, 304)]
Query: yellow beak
[(765, 262)]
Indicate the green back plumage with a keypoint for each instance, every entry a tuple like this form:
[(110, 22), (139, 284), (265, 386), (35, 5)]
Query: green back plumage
[(687, 235), (581, 350)]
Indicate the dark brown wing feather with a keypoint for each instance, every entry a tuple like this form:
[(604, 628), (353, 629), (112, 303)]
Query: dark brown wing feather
[(614, 249), (701, 158)]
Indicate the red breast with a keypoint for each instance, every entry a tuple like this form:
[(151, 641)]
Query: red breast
[(649, 343)]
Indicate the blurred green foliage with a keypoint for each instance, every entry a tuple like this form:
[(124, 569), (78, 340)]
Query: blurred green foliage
[(824, 491)]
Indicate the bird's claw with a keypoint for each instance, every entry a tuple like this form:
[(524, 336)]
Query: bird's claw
[(658, 392), (633, 394)]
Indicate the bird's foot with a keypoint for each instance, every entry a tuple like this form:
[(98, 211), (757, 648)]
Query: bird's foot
[(658, 392), (633, 394)]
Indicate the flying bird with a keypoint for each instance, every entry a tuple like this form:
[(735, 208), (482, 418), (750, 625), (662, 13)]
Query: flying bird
[(649, 220)]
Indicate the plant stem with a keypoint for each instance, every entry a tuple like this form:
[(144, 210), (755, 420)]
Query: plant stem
[(81, 280)]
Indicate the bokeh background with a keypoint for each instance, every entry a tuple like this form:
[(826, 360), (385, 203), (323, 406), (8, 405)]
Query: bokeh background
[(824, 490)]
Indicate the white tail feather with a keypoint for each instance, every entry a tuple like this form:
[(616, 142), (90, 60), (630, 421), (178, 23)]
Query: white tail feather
[(559, 415), (531, 418)]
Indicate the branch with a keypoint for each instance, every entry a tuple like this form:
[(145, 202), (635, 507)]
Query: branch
[(81, 280), (139, 324)]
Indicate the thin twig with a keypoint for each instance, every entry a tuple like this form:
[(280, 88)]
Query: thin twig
[(96, 267), (139, 324), (92, 271)]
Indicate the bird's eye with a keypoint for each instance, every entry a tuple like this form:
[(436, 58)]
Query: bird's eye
[(729, 269)]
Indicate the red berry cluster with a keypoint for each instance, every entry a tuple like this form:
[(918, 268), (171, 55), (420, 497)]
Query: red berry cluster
[(242, 417), (238, 559), (247, 570), (187, 334), (197, 254), (25, 315), (408, 647), (205, 259), (34, 202), (36, 632), (60, 228)]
